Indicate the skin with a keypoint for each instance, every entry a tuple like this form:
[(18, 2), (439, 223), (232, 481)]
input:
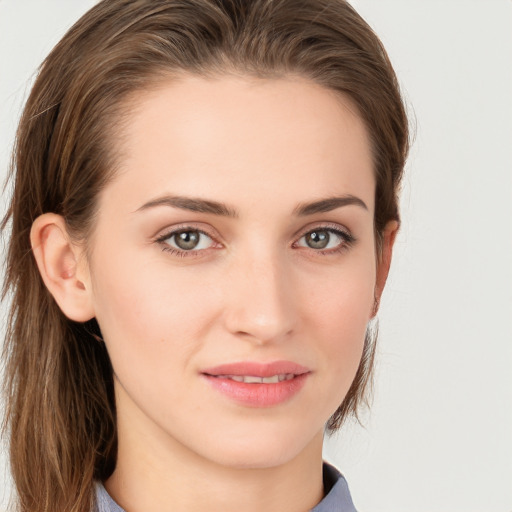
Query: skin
[(253, 290)]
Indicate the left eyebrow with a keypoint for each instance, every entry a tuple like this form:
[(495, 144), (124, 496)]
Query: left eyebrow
[(327, 205)]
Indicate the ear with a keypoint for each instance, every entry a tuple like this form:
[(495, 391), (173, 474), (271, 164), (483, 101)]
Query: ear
[(384, 260), (61, 265)]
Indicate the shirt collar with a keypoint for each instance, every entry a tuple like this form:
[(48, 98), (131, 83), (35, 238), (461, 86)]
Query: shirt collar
[(337, 495)]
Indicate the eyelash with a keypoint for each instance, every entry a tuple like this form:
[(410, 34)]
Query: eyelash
[(347, 241), (177, 252)]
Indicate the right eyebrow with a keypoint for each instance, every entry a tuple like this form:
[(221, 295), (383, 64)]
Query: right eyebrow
[(191, 204)]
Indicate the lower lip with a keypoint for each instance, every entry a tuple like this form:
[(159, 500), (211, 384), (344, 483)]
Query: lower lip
[(258, 395)]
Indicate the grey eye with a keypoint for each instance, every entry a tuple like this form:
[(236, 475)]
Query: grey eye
[(189, 240), (318, 239), (324, 239)]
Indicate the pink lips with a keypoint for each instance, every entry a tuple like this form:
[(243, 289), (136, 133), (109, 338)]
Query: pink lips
[(258, 394)]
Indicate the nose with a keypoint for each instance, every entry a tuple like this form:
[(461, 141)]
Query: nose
[(260, 300)]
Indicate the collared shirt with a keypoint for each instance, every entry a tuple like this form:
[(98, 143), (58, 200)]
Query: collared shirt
[(336, 499)]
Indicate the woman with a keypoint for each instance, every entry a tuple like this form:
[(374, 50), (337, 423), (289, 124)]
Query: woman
[(204, 210)]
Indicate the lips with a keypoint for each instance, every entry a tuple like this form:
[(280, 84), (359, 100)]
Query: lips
[(258, 384), (255, 369)]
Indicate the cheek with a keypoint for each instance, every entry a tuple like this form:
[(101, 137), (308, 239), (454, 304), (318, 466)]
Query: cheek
[(153, 330), (338, 310), (342, 299), (151, 314)]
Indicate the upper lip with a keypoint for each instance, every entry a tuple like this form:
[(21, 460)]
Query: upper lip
[(256, 369)]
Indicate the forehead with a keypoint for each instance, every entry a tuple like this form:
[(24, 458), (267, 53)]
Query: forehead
[(236, 138)]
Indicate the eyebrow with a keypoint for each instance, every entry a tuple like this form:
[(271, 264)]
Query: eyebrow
[(327, 205), (223, 210), (191, 204)]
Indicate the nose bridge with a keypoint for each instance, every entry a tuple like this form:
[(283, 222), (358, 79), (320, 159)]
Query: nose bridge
[(261, 296)]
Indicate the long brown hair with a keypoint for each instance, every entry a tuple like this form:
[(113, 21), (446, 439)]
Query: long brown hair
[(60, 414)]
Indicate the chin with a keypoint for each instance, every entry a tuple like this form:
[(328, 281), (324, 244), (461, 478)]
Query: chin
[(259, 451)]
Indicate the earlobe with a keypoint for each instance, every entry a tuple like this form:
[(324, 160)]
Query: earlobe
[(58, 261), (384, 261)]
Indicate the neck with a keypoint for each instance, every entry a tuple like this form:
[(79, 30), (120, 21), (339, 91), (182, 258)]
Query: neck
[(156, 472)]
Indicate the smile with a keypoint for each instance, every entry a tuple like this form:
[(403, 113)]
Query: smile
[(256, 385)]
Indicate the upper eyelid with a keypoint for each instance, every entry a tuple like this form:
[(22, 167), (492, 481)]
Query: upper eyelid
[(167, 233), (345, 235), (327, 226)]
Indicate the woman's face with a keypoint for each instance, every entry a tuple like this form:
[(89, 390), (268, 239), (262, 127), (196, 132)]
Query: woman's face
[(239, 232)]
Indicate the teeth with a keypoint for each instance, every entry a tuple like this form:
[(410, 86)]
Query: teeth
[(250, 379)]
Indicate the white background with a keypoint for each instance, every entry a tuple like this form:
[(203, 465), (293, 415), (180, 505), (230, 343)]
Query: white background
[(439, 435)]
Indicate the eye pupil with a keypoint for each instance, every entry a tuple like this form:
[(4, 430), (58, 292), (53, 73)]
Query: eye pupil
[(317, 239), (187, 239)]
